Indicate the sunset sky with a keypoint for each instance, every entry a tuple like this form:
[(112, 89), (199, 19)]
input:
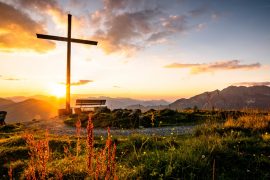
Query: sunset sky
[(147, 49)]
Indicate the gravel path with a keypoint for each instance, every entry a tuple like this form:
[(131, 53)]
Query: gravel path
[(56, 126)]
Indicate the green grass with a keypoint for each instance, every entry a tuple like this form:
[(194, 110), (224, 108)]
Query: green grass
[(226, 151), (236, 157)]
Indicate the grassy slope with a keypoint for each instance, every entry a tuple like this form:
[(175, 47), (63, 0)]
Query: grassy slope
[(234, 150)]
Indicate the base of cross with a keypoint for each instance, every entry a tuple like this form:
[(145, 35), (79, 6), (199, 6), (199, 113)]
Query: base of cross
[(64, 112)]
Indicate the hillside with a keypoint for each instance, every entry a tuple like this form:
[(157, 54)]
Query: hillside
[(28, 110), (4, 102), (230, 98), (112, 103)]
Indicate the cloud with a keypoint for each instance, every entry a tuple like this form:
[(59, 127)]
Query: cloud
[(126, 26), (36, 4), (115, 86), (79, 83), (158, 36), (17, 31), (215, 16), (216, 66), (199, 11), (115, 4), (48, 7), (175, 23), (266, 83), (124, 32), (12, 79), (17, 20), (201, 26), (122, 26)]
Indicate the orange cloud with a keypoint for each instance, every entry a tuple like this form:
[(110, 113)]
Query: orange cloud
[(17, 31), (109, 45), (216, 66), (79, 83)]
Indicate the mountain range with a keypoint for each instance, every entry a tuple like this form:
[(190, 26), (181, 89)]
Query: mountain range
[(22, 108), (118, 103), (112, 103), (230, 98)]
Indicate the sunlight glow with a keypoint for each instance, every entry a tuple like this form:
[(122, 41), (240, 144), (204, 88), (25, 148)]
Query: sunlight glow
[(57, 90)]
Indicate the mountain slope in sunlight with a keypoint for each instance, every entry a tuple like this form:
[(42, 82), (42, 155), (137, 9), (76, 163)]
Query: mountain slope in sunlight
[(4, 102), (28, 110)]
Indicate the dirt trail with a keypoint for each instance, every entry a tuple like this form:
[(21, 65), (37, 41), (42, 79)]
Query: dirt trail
[(56, 126)]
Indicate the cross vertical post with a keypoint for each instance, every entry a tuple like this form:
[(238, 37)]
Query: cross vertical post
[(68, 65)]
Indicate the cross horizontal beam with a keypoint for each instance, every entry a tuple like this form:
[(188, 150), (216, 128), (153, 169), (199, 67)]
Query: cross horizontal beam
[(59, 38)]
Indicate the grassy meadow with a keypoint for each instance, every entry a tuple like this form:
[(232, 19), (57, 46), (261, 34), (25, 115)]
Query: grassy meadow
[(236, 147)]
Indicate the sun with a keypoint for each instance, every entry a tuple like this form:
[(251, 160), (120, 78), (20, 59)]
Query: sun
[(57, 90)]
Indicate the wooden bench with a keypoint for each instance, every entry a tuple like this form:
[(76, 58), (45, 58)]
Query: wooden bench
[(88, 104)]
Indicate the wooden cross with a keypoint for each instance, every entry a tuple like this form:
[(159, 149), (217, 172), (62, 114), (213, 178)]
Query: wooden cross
[(67, 39)]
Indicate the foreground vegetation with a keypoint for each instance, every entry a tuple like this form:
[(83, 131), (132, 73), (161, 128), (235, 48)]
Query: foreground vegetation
[(126, 118), (239, 148)]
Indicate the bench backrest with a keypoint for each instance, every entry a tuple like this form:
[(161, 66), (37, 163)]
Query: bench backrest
[(90, 102)]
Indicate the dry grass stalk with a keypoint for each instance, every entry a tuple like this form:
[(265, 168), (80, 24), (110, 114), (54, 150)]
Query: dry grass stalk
[(153, 119), (214, 170), (39, 156), (67, 149), (90, 144), (111, 150), (102, 165), (58, 175), (78, 134), (10, 172), (108, 166)]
